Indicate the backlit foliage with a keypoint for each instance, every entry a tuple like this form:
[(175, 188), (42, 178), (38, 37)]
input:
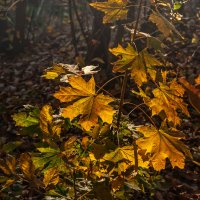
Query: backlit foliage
[(79, 150)]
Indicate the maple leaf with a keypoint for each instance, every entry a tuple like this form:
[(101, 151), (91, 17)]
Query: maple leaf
[(113, 9), (193, 92), (167, 98), (124, 153), (85, 102), (49, 158), (138, 63), (161, 145), (163, 24), (47, 123)]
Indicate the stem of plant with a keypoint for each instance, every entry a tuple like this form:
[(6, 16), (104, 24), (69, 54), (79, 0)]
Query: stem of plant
[(135, 154), (123, 89)]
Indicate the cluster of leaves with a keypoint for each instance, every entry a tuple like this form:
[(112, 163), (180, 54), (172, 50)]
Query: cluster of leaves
[(81, 151)]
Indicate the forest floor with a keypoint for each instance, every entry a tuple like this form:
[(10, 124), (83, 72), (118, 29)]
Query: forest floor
[(21, 83)]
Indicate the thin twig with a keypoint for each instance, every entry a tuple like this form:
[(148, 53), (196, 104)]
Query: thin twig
[(138, 107), (108, 82), (123, 90), (135, 154), (12, 5), (79, 21)]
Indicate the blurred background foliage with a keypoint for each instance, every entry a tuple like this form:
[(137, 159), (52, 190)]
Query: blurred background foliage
[(23, 21)]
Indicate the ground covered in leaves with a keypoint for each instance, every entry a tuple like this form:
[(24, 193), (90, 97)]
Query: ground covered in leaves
[(21, 83)]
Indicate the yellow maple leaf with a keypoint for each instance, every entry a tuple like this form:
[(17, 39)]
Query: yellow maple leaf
[(164, 26), (113, 10), (161, 145), (167, 98), (193, 92), (124, 153), (138, 63), (47, 123), (85, 103)]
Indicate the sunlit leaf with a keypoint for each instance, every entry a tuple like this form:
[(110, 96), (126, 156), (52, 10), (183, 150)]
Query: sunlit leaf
[(163, 24), (51, 177), (193, 93), (113, 9), (86, 103), (167, 98), (64, 71), (47, 123), (49, 158), (124, 153), (161, 145), (24, 120), (85, 142), (138, 63), (27, 166), (177, 5)]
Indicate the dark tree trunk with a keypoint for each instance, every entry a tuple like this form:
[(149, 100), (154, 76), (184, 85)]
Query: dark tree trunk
[(99, 41), (4, 40), (20, 24)]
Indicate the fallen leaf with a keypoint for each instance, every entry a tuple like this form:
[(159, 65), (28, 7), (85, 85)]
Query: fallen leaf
[(64, 71), (27, 166), (51, 177)]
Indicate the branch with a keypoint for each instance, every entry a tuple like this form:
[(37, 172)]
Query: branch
[(79, 21)]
